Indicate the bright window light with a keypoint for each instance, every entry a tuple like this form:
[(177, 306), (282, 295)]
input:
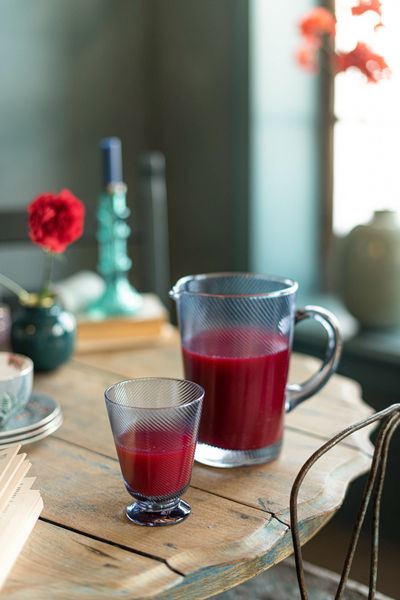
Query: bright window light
[(367, 131)]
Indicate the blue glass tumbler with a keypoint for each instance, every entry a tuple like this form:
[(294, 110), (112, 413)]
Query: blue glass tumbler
[(155, 422)]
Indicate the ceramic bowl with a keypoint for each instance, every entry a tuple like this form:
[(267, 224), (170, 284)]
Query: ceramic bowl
[(16, 378)]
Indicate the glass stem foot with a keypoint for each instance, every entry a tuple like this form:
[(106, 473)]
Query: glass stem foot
[(155, 514)]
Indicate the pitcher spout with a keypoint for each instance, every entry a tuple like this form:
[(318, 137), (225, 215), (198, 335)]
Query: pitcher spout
[(174, 292), (180, 286)]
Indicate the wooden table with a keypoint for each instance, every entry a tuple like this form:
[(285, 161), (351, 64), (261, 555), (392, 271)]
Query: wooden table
[(83, 547)]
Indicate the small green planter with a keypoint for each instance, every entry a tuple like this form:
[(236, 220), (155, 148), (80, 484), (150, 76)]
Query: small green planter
[(44, 332)]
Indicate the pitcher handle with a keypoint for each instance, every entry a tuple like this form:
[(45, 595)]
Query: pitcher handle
[(298, 392)]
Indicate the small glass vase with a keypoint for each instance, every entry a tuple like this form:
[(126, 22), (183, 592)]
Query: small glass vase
[(44, 331)]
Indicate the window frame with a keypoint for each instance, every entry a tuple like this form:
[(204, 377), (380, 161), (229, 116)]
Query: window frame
[(326, 141)]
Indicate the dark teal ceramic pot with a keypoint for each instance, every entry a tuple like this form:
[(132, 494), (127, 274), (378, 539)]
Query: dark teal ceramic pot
[(44, 333)]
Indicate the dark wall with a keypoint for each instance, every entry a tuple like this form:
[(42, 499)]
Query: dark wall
[(200, 107), (72, 72), (169, 76)]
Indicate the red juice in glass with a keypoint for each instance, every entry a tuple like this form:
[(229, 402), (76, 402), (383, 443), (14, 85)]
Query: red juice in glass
[(154, 462), (244, 373)]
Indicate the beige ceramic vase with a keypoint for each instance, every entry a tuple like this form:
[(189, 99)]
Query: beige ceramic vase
[(371, 271)]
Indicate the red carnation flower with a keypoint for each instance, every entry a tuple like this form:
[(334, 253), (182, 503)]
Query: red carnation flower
[(363, 58), (55, 220), (318, 22)]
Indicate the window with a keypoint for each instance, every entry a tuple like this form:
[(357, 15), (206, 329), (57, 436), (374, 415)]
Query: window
[(367, 131)]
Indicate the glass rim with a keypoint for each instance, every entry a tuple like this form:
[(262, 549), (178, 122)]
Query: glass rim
[(195, 385), (289, 286)]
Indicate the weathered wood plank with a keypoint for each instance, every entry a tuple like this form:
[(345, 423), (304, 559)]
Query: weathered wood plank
[(234, 532), (318, 416), (84, 388), (85, 491), (207, 582), (268, 486), (164, 359), (221, 542), (335, 407), (60, 564), (341, 395), (64, 565), (82, 489)]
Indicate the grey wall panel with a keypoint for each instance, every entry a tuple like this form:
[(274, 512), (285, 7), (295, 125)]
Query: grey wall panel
[(169, 76)]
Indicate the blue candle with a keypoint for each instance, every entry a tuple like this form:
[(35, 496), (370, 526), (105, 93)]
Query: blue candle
[(112, 160)]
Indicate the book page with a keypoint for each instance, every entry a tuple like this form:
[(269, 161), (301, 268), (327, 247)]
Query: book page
[(10, 470), (9, 554), (20, 507), (7, 490), (6, 457)]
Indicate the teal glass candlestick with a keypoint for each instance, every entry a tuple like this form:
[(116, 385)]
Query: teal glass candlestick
[(119, 296)]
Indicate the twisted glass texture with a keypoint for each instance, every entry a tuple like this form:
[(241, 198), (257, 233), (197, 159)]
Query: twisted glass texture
[(155, 423), (237, 333), (250, 305)]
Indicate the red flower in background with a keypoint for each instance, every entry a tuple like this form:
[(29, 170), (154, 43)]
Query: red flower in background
[(365, 5), (318, 22), (55, 220), (318, 29), (363, 58), (307, 57)]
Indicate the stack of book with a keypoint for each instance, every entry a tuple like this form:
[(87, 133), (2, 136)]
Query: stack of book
[(149, 324), (20, 507)]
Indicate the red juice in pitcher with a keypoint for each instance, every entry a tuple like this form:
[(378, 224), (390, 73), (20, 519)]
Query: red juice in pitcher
[(155, 463), (244, 373)]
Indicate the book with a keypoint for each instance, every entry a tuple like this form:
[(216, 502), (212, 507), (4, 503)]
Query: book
[(20, 507), (149, 323)]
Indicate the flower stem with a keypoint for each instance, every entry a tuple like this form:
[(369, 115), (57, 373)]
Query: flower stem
[(47, 276), (13, 287)]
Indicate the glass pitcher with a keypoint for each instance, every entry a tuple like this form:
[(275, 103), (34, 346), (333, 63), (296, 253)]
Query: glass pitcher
[(236, 335)]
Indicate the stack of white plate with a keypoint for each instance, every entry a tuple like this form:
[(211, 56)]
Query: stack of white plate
[(40, 417)]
